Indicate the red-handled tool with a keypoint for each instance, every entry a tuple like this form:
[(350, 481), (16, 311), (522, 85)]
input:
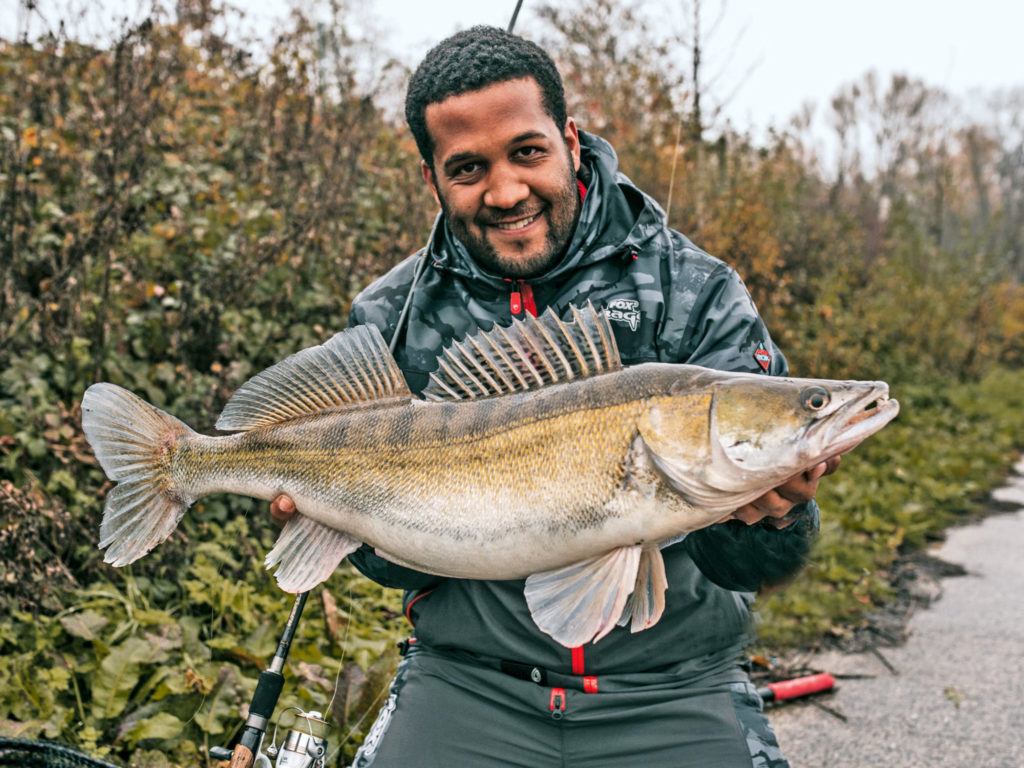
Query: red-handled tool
[(800, 686)]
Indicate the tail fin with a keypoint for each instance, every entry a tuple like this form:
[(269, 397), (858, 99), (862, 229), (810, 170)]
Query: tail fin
[(131, 439)]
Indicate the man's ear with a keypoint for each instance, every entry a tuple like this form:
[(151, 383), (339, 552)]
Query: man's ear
[(572, 141), (428, 176)]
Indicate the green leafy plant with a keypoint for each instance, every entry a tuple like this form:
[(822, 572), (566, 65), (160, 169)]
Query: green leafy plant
[(137, 663)]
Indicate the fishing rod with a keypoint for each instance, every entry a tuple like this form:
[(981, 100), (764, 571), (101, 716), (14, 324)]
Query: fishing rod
[(515, 15), (299, 750)]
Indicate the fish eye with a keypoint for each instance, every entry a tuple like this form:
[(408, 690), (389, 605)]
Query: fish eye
[(815, 398)]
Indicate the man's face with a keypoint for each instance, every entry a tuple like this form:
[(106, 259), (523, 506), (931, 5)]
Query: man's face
[(505, 176)]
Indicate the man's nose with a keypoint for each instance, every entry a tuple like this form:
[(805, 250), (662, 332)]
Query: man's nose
[(505, 188)]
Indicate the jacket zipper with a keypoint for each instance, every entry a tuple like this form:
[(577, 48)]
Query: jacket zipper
[(557, 703)]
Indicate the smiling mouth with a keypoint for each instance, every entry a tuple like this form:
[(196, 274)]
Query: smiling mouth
[(512, 226)]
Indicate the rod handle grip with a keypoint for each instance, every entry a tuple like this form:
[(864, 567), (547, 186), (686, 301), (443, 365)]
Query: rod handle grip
[(800, 686), (242, 757)]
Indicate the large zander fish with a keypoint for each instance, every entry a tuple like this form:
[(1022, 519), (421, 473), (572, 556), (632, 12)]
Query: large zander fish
[(534, 454)]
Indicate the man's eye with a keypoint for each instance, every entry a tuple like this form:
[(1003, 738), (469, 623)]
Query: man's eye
[(467, 169), (527, 151)]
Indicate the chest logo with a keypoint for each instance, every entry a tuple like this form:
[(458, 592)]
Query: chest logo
[(625, 312), (763, 356)]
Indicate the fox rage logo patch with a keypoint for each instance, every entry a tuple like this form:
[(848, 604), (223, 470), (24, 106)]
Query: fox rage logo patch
[(763, 356), (624, 312)]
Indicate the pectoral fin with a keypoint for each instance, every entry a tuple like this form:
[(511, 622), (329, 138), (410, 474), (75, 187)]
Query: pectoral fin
[(582, 602), (308, 553), (647, 602)]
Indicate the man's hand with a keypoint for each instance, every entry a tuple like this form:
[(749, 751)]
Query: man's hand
[(282, 509), (775, 505)]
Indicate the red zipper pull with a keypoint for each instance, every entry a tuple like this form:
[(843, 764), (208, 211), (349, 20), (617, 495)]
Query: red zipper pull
[(516, 303), (526, 297)]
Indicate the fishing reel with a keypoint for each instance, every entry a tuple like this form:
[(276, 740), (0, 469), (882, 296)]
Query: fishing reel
[(304, 746)]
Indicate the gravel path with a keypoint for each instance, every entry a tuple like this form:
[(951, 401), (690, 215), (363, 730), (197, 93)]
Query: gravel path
[(955, 695)]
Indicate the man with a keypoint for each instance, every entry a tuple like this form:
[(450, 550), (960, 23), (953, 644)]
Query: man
[(535, 216)]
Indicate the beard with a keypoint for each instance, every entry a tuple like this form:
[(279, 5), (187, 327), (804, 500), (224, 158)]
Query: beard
[(522, 261)]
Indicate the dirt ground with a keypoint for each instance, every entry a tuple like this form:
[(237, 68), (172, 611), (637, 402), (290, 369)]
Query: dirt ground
[(936, 678)]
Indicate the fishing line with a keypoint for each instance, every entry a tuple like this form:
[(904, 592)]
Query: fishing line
[(344, 649), (672, 175)]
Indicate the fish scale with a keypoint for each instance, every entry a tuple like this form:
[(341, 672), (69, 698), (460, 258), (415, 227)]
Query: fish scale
[(488, 478), (535, 455)]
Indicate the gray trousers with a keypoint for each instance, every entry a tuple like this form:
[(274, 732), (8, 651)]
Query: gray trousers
[(443, 713)]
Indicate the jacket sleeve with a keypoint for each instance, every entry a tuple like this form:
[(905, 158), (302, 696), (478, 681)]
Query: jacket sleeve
[(746, 558), (389, 574), (725, 331)]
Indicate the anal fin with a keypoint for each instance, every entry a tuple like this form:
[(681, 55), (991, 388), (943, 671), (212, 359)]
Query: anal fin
[(308, 553), (582, 602), (647, 603)]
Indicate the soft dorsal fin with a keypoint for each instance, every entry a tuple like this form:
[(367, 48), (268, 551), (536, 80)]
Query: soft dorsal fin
[(352, 367), (529, 354)]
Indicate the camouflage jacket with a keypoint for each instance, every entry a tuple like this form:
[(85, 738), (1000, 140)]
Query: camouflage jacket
[(668, 301)]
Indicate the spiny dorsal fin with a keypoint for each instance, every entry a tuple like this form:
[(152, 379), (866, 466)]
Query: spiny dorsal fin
[(354, 366), (529, 354)]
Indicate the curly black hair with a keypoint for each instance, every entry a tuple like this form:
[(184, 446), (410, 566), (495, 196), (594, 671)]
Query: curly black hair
[(473, 59)]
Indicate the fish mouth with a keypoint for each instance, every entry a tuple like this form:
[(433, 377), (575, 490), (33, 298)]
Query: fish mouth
[(860, 419)]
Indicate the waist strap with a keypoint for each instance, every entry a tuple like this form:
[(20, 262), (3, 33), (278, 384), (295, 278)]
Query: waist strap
[(546, 677), (716, 672)]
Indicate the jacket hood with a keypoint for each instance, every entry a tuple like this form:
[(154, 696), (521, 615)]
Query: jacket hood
[(615, 216)]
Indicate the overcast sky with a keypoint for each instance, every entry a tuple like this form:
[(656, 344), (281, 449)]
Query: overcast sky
[(771, 55), (775, 55)]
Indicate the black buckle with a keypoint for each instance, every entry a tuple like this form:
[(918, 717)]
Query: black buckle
[(534, 674)]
